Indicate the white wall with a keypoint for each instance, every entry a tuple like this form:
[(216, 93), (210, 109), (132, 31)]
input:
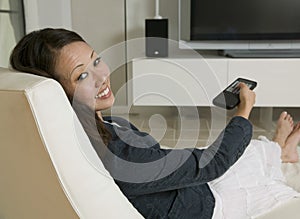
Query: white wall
[(45, 13), (7, 36), (100, 22)]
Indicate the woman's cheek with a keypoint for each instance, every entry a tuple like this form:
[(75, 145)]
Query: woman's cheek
[(84, 96)]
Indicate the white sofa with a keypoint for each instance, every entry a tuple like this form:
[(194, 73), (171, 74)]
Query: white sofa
[(47, 164)]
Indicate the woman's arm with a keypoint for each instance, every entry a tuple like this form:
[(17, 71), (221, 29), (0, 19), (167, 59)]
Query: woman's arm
[(152, 169), (176, 169)]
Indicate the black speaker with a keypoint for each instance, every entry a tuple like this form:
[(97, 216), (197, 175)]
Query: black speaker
[(157, 37)]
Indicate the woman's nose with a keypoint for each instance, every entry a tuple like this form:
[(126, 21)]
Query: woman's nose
[(99, 83), (99, 74), (99, 78)]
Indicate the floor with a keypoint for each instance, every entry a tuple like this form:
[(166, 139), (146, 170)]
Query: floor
[(182, 131)]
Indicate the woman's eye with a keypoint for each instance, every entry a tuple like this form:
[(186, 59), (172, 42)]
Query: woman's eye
[(97, 61), (82, 76)]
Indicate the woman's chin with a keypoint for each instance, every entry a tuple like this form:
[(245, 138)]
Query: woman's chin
[(104, 105)]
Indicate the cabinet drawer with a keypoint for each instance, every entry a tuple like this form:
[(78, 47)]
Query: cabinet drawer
[(180, 82), (278, 79)]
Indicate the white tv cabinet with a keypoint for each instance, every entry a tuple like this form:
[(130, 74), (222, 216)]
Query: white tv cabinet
[(185, 82), (196, 81)]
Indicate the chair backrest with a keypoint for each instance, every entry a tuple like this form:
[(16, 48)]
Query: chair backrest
[(48, 166)]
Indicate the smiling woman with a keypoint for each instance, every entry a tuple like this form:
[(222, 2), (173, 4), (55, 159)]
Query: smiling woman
[(83, 73), (164, 183), (64, 61)]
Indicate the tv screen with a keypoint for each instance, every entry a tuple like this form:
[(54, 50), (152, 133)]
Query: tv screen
[(244, 20)]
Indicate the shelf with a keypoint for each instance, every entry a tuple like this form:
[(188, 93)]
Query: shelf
[(8, 11)]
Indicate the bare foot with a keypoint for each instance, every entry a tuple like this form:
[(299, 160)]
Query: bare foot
[(289, 153), (284, 128)]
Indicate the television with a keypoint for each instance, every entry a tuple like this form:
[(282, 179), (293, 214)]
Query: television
[(237, 25)]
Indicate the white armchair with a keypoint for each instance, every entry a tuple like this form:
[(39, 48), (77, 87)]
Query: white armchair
[(47, 164), (45, 172)]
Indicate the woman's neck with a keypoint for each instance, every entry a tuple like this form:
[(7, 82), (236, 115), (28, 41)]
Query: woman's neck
[(99, 114)]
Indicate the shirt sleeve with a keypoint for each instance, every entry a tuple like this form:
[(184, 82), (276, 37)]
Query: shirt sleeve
[(140, 171)]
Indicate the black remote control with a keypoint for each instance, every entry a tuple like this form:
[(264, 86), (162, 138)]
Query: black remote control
[(229, 97)]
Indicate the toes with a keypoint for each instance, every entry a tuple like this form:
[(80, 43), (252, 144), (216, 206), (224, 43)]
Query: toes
[(288, 117), (283, 115), (297, 126), (291, 120)]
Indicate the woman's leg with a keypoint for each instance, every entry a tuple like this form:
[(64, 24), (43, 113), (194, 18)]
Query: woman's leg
[(284, 128), (289, 153), (254, 182), (288, 137)]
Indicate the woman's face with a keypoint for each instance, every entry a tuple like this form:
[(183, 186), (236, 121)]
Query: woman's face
[(84, 76)]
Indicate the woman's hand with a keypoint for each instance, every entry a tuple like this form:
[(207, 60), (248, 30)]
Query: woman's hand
[(247, 101)]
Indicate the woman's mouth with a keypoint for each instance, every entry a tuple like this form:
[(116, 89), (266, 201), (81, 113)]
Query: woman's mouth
[(104, 94)]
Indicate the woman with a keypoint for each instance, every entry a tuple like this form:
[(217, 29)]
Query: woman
[(160, 183)]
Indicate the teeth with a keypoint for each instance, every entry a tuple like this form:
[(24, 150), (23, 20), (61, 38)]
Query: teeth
[(105, 92)]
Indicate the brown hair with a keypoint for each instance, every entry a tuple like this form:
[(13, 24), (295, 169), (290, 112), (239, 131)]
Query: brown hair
[(37, 53)]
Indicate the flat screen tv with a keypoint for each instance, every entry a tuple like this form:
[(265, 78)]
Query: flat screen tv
[(239, 24)]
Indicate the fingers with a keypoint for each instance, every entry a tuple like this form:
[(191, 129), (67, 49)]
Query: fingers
[(246, 95), (247, 100), (242, 85)]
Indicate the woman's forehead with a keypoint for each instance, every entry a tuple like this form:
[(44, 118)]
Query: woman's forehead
[(76, 50), (73, 55)]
